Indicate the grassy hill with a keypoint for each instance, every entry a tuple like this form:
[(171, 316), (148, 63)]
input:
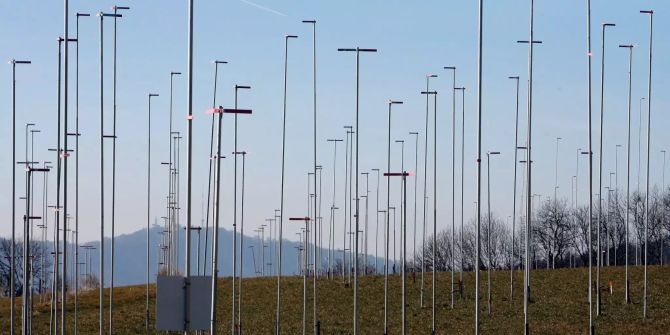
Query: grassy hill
[(559, 306)]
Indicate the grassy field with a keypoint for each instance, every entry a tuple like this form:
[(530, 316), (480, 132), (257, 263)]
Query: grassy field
[(559, 305)]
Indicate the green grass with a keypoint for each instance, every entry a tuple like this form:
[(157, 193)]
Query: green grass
[(559, 305)]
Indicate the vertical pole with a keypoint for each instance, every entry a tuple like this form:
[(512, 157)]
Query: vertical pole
[(365, 238), (529, 193), (350, 198), (76, 159), (281, 207), (112, 260), (305, 269), (579, 152), (189, 170), (453, 185), (416, 170), (462, 182), (234, 296), (57, 230), (13, 253), (102, 181), (215, 234), (316, 194), (646, 207), (146, 324), (590, 154), (425, 184), (357, 212), (404, 250), (388, 209), (600, 166), (239, 301), (479, 156), (377, 222), (64, 157), (25, 315), (211, 163), (488, 234), (332, 213), (434, 205), (516, 144), (346, 206)]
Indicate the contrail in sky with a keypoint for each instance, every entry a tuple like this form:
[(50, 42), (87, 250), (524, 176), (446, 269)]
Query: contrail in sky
[(263, 8)]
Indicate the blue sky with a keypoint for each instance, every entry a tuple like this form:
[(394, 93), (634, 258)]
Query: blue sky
[(413, 38)]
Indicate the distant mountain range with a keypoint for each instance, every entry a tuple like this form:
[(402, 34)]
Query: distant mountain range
[(130, 267)]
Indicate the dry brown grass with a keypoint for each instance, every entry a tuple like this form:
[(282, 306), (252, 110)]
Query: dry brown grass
[(560, 306)]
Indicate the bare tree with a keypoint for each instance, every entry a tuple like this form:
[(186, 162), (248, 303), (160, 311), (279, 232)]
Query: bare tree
[(37, 251), (553, 230), (442, 253)]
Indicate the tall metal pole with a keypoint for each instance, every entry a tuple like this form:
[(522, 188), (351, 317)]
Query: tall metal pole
[(358, 50), (189, 162), (396, 256), (65, 155), (630, 97), (212, 162), (425, 185), (516, 146), (600, 164), (172, 202), (102, 179), (239, 301), (57, 229), (332, 215), (350, 199), (146, 310), (462, 89), (558, 140), (529, 161), (416, 169), (479, 153), (434, 208), (26, 287), (76, 158), (112, 240), (27, 268), (217, 219), (453, 182), (316, 195), (646, 207), (377, 221), (281, 206), (13, 253), (346, 197), (365, 234), (357, 212), (234, 296), (488, 233), (404, 251), (388, 206), (590, 153), (579, 152)]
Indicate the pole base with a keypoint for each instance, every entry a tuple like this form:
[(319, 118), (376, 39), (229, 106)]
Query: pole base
[(627, 293)]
